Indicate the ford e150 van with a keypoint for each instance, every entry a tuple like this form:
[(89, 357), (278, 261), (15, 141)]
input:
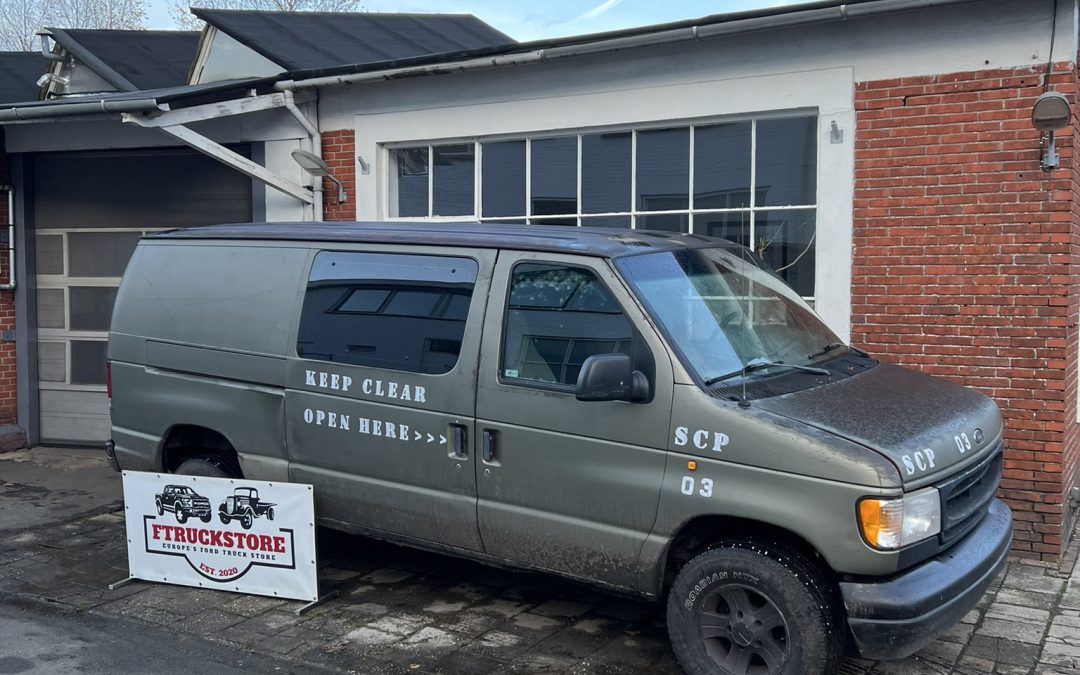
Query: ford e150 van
[(652, 413)]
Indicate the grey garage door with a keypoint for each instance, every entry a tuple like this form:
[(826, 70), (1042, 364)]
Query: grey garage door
[(89, 210)]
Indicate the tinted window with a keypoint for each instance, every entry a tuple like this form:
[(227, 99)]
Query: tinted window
[(605, 173), (504, 178), (453, 182), (722, 166), (663, 169), (557, 317), (412, 182), (401, 312), (786, 161), (554, 176)]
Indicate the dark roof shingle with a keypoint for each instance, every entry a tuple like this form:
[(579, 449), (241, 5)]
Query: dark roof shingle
[(310, 40), (148, 59), (19, 72)]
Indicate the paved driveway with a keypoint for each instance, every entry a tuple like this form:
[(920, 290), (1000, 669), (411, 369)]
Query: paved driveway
[(402, 610)]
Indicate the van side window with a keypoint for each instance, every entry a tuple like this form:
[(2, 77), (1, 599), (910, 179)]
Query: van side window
[(557, 317), (400, 312)]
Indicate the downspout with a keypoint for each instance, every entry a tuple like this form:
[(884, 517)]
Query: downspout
[(10, 285), (316, 149)]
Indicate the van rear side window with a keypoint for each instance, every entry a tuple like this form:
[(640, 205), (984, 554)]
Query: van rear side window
[(400, 312)]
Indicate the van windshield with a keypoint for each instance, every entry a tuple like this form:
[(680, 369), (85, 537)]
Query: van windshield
[(724, 314)]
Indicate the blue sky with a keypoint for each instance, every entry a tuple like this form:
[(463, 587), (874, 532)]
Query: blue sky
[(550, 18)]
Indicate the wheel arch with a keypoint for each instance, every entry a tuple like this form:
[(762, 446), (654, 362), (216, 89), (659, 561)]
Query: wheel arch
[(698, 533), (183, 441)]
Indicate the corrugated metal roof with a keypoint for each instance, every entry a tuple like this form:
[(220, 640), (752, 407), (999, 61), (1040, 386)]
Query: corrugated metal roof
[(19, 72), (147, 59), (311, 40)]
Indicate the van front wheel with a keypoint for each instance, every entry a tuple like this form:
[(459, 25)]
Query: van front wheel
[(746, 607)]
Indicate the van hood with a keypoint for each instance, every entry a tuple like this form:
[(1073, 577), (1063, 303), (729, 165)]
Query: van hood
[(927, 427)]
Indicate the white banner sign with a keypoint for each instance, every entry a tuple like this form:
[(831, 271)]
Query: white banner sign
[(228, 534)]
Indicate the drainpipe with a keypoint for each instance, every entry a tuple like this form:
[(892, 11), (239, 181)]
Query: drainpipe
[(10, 285), (316, 149)]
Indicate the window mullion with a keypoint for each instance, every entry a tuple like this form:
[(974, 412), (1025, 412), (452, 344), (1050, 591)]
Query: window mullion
[(633, 179), (690, 187), (580, 208), (478, 180), (528, 179), (430, 181), (753, 183)]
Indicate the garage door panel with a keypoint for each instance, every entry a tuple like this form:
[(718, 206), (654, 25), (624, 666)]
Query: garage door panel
[(161, 189), (74, 416), (79, 263)]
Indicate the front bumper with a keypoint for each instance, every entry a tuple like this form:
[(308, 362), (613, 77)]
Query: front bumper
[(197, 509), (894, 618)]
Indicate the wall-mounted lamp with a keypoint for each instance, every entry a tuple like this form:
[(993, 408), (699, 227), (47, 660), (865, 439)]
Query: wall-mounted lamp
[(1050, 113), (314, 165)]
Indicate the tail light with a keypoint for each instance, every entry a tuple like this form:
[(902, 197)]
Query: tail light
[(108, 379)]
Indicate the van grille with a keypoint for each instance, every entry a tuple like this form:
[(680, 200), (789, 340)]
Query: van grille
[(966, 497)]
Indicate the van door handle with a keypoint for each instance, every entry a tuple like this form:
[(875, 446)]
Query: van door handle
[(459, 449), (489, 442)]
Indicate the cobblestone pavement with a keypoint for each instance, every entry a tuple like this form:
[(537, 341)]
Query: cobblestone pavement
[(402, 610)]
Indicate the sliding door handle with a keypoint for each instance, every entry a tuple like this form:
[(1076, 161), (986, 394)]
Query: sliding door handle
[(458, 448), (490, 441)]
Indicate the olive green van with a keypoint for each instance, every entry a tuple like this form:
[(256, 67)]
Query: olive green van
[(652, 413)]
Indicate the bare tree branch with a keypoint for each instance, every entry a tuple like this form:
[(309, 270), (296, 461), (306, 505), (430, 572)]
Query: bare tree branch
[(185, 20), (19, 19)]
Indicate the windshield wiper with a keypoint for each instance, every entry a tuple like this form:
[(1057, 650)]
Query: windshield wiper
[(836, 345), (760, 365)]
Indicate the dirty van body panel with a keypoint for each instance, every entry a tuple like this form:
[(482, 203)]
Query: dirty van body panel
[(751, 464), (755, 436), (570, 486), (377, 424), (184, 353), (927, 427)]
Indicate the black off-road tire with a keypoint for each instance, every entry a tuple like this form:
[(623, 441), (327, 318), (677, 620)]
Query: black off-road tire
[(160, 508), (270, 513), (207, 518), (181, 515), (710, 635), (206, 465)]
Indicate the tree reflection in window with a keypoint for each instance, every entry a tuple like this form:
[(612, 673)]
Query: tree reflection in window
[(557, 317)]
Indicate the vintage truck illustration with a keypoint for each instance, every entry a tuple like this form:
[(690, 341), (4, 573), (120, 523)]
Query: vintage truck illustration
[(184, 503), (244, 505)]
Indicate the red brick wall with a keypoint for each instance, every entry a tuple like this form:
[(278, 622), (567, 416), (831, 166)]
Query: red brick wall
[(8, 409), (339, 151), (963, 263)]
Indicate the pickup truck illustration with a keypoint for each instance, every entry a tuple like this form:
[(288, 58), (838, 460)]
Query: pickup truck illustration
[(244, 505), (183, 502)]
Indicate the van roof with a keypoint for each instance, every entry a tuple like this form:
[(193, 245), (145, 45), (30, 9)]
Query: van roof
[(595, 241)]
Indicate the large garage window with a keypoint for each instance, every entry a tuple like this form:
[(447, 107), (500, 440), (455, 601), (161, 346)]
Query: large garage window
[(750, 181)]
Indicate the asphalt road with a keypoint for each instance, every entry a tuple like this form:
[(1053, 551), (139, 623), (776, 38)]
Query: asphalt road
[(39, 638)]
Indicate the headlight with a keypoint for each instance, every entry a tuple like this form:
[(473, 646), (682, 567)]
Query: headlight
[(899, 521)]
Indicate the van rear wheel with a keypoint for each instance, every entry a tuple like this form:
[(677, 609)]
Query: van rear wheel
[(205, 465), (745, 607)]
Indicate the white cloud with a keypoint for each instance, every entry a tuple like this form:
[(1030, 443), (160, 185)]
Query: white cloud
[(597, 11)]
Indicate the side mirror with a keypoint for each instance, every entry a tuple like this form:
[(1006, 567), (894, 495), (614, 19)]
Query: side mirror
[(610, 377)]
